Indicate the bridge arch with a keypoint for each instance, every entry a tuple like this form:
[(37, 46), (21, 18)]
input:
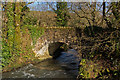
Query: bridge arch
[(56, 48), (55, 38)]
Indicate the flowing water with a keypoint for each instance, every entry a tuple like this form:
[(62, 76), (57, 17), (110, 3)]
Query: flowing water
[(65, 66)]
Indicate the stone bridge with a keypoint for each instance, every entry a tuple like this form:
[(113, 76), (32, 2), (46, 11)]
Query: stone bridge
[(54, 37)]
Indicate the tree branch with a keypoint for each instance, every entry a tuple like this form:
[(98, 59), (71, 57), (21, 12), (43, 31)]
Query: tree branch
[(51, 7), (83, 17)]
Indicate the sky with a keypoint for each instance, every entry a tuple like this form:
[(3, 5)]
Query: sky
[(61, 0), (71, 0), (39, 6)]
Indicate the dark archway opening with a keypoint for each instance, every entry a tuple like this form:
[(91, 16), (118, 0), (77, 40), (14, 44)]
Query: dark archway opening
[(56, 48), (66, 57)]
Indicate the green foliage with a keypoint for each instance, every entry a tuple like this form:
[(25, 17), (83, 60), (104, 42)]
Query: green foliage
[(8, 39), (61, 13), (11, 38), (96, 70), (89, 69), (25, 9), (35, 32), (10, 24), (5, 53), (30, 20), (104, 58)]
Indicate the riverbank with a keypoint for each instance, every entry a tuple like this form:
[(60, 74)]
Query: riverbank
[(24, 54), (20, 62), (65, 66)]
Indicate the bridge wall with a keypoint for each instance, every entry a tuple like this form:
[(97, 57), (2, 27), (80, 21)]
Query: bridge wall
[(67, 35)]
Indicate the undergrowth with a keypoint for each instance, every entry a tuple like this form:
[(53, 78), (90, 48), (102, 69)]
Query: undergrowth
[(35, 32), (102, 62)]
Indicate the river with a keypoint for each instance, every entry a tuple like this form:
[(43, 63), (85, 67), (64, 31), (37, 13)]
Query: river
[(65, 66)]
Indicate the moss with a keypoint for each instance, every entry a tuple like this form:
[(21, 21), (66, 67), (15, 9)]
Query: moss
[(25, 56), (34, 31)]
